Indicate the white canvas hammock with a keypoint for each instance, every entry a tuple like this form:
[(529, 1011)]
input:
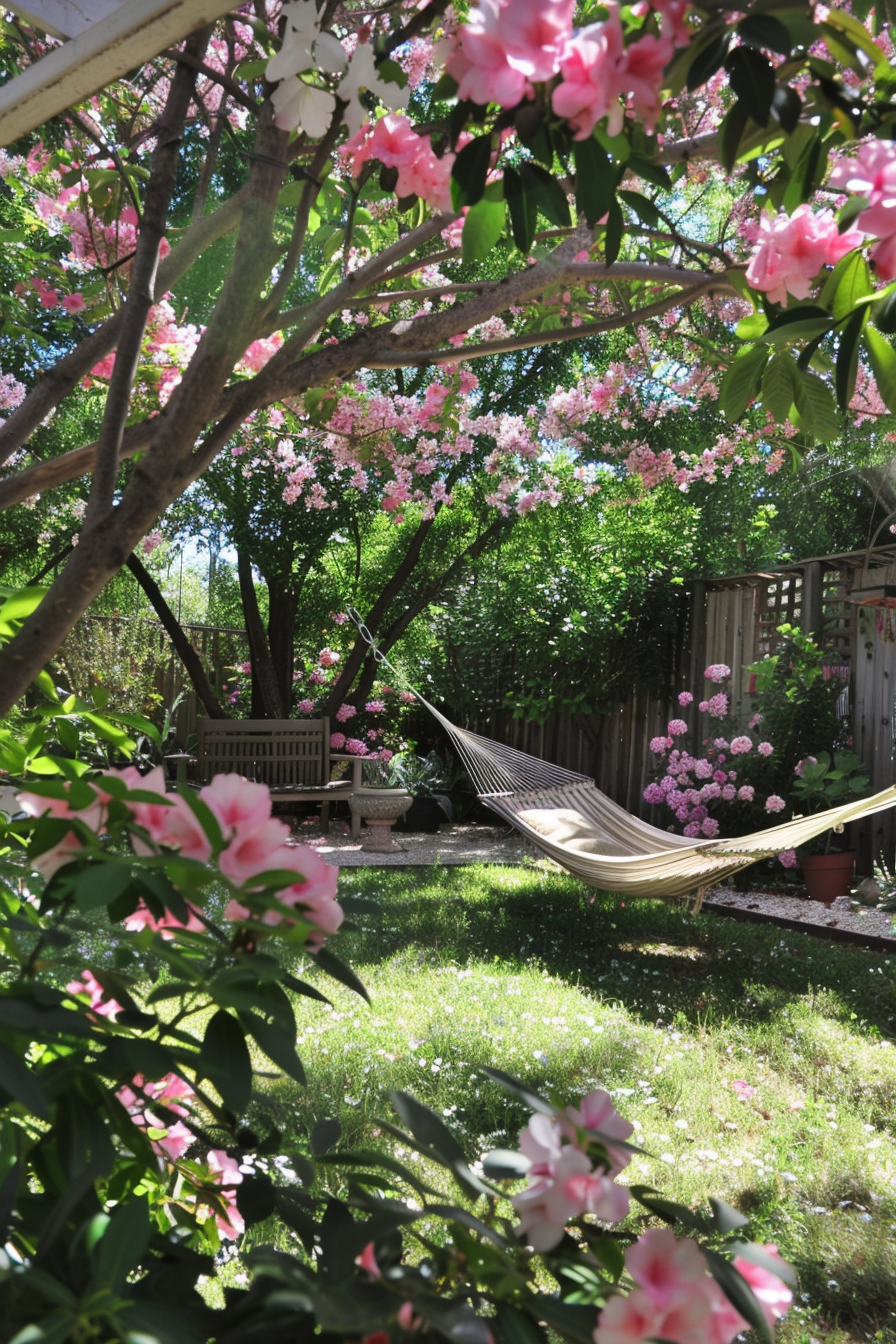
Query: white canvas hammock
[(566, 816)]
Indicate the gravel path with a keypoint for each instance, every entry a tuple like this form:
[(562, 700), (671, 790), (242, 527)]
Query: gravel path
[(501, 844)]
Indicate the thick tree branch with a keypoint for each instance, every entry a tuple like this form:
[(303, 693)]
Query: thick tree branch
[(141, 289), (179, 638)]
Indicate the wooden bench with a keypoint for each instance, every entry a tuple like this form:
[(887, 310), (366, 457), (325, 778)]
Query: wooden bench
[(291, 756)]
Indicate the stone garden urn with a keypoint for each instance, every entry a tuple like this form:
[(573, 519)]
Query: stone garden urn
[(380, 808)]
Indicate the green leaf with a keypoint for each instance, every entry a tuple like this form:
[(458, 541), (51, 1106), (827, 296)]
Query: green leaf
[(758, 1255), (329, 962), (20, 1083), (470, 170), (752, 327), (733, 126), (739, 1294), (764, 30), (523, 210), (503, 1164), (515, 1327), (21, 604), (726, 1218), (849, 282), (613, 232), (595, 180), (428, 1128), (741, 383), (668, 1209), (549, 196), (882, 358), (276, 1043), (533, 1100), (779, 385), (752, 77), (575, 1323), (708, 57), (100, 883), (224, 1060), (483, 226), (806, 321), (124, 1242), (642, 206), (324, 1135), (54, 1329), (848, 358), (816, 406)]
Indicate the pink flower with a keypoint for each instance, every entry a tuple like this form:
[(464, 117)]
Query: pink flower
[(407, 697), (355, 747), (675, 1298), (741, 745), (312, 895), (375, 706), (703, 706), (337, 741), (592, 66), (225, 1171), (718, 705), (151, 541), (676, 727), (765, 749), (367, 1261), (88, 984), (260, 351), (774, 1296), (305, 707), (238, 804), (142, 918), (653, 794), (561, 1190), (872, 173), (328, 658), (255, 849), (791, 250), (743, 1091), (345, 712), (709, 827), (717, 672), (73, 303), (745, 793), (774, 803), (645, 61), (660, 745), (685, 698), (788, 858), (505, 48), (393, 141)]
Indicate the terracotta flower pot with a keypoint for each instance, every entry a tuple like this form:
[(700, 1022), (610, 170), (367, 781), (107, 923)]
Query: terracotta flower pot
[(828, 875)]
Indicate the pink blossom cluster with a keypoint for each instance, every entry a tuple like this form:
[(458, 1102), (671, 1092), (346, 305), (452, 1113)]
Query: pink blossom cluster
[(790, 250), (255, 842), (676, 1299), (693, 786), (872, 173), (563, 1181), (505, 50), (394, 142)]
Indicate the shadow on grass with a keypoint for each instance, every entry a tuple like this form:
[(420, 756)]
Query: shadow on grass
[(658, 961)]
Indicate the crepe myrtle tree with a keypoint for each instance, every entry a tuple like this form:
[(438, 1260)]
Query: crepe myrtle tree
[(418, 188)]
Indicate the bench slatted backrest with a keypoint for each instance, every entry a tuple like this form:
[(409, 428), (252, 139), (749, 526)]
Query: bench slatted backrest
[(282, 753)]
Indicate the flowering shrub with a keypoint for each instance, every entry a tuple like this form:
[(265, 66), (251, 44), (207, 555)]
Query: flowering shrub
[(372, 727), (149, 947)]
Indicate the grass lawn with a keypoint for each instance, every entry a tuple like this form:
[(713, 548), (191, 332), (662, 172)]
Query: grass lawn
[(532, 973)]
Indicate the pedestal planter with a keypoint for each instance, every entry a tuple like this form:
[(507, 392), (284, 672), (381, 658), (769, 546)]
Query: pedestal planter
[(828, 875), (380, 808)]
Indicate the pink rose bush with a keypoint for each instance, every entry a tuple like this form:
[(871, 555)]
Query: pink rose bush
[(696, 786), (231, 832)]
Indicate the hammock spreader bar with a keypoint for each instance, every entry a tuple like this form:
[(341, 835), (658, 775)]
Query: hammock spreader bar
[(565, 815)]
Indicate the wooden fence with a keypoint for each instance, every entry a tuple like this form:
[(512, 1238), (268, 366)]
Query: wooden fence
[(733, 621)]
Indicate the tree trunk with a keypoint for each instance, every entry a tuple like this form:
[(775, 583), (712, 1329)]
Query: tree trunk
[(265, 687), (282, 604), (184, 649)]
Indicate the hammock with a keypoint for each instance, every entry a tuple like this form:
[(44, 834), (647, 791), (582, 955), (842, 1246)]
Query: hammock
[(566, 816)]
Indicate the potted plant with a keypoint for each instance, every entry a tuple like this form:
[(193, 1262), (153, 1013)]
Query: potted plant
[(380, 801), (426, 778), (821, 782)]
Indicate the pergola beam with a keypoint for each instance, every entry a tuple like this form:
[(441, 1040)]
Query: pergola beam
[(98, 55)]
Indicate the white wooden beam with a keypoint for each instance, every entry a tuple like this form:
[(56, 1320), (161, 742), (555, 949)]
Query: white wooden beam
[(63, 18), (108, 49)]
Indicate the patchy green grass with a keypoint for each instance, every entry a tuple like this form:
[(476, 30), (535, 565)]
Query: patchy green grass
[(532, 973)]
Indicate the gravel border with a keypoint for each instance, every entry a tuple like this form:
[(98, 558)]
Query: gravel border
[(453, 845)]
